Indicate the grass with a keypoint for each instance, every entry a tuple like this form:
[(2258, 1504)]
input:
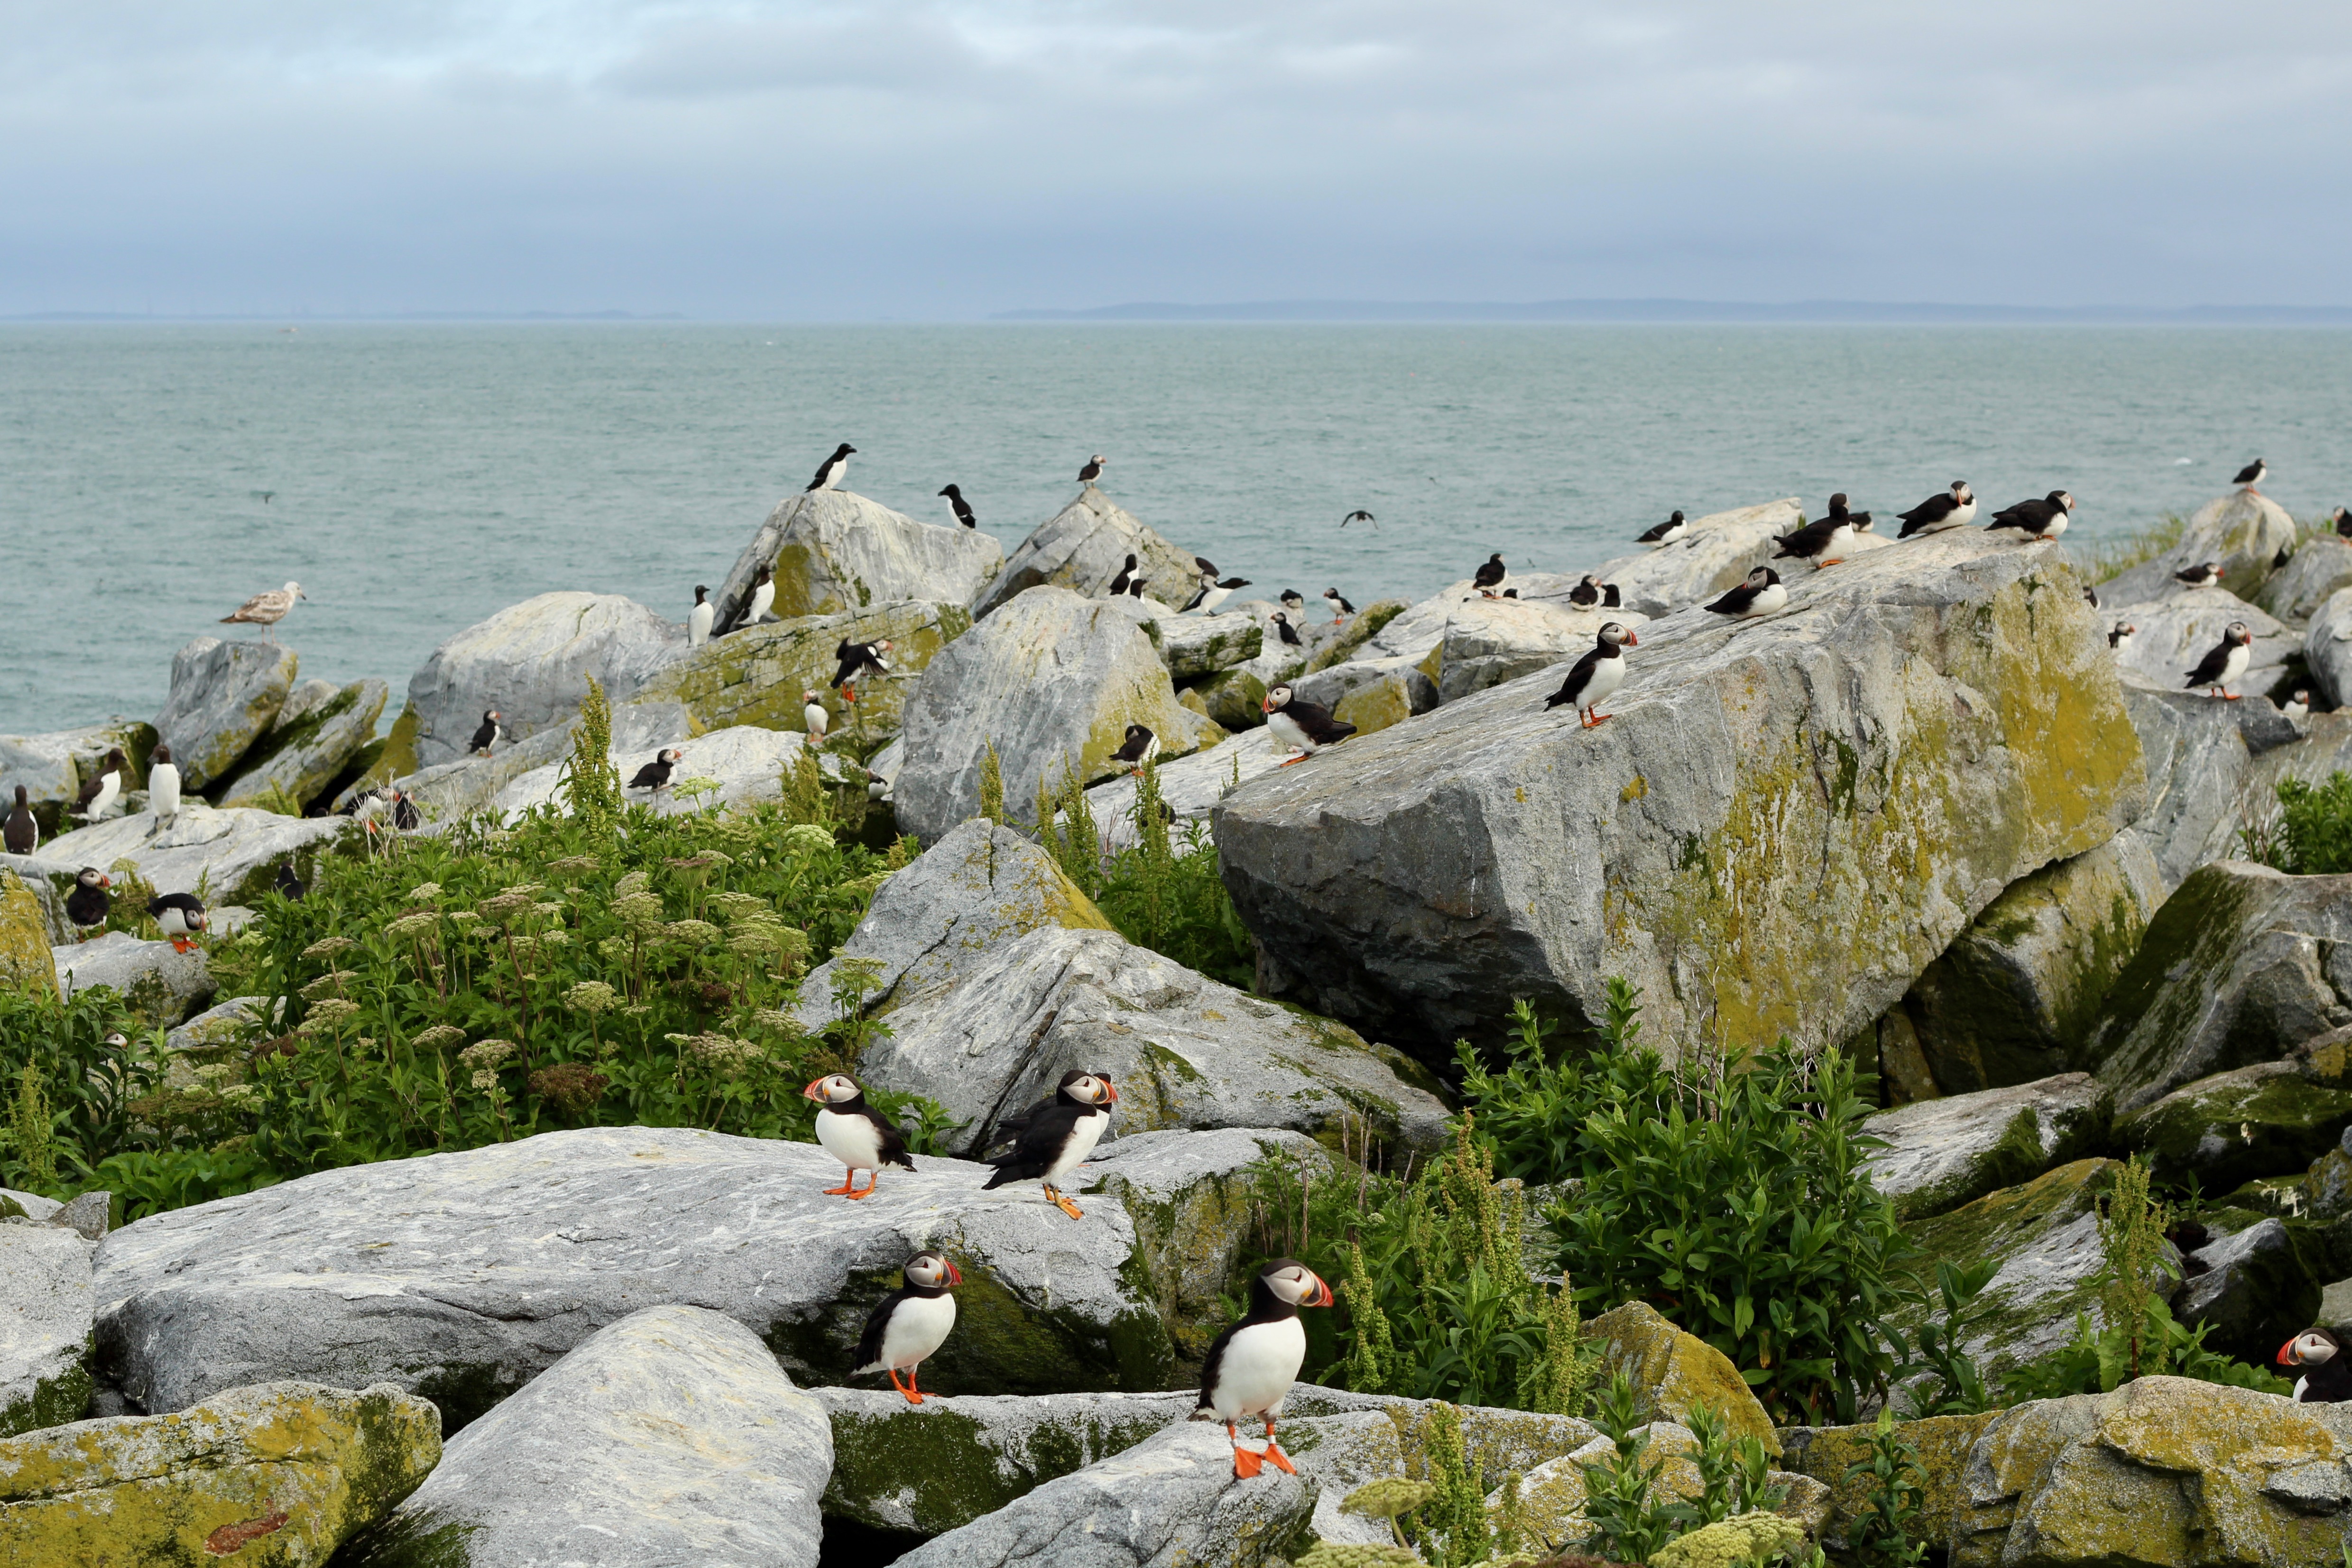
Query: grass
[(2119, 553)]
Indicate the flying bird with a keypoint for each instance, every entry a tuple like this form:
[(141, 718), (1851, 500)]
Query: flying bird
[(851, 658), (265, 610), (1360, 515)]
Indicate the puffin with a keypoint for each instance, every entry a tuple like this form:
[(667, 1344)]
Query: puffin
[(1956, 507), (404, 815), (1360, 515), (1251, 1366), (2251, 477), (491, 733), (1295, 605), (1593, 591), (1666, 532), (1592, 677), (1140, 747), (2342, 520), (698, 619), (179, 916), (288, 884), (814, 717), (2226, 662), (89, 903), (829, 472), (1304, 727), (1288, 633), (2205, 575), (1093, 469), (1057, 1138), (2120, 635), (1213, 592), (2297, 708), (1135, 586), (855, 1134), (23, 835), (2091, 594), (2043, 518), (1489, 576), (163, 785), (1762, 594), (763, 596), (962, 507), (911, 1322), (1118, 582), (854, 657), (656, 776), (1340, 608), (1824, 544), (2326, 1374), (99, 795)]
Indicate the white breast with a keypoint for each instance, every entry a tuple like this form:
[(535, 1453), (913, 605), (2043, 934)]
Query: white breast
[(1965, 514), (107, 789), (1083, 1138), (2235, 665), (1260, 1364), (1286, 730), (698, 624), (1608, 675), (1212, 598), (163, 789), (1775, 596), (1841, 540), (917, 1326), (2057, 526), (852, 1140)]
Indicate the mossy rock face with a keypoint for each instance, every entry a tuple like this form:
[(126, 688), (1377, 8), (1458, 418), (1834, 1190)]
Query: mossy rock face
[(2045, 1236), (224, 696), (1371, 694), (1195, 646), (1944, 1152), (300, 759), (1676, 1372), (1236, 698), (2268, 1119), (1826, 1453), (757, 676), (277, 1474), (1082, 548), (2255, 1290), (46, 1313), (25, 964)]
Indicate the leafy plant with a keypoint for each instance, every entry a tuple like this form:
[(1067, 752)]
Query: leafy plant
[(74, 1092), (2314, 832), (1950, 1381), (1162, 892), (2131, 1236), (1629, 1520), (1886, 1529), (2099, 1360)]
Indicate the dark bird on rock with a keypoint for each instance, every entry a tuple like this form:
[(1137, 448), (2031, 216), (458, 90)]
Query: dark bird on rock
[(2219, 669), (23, 834), (2297, 708), (1824, 544), (764, 597), (2090, 595), (829, 473), (1956, 507), (855, 1134), (1340, 608), (910, 1323), (656, 776), (2342, 520), (1288, 633), (1138, 748), (2120, 635), (2205, 575), (962, 507), (1135, 586), (1213, 592), (288, 884), (1666, 532), (1360, 515), (89, 902), (1592, 592), (1056, 1139), (1592, 677), (1762, 594), (1301, 726), (488, 735), (1489, 576), (853, 658), (98, 796), (2324, 1373), (404, 815), (181, 917), (1119, 584), (1250, 1367), (2043, 518), (1093, 469), (1294, 602), (2252, 476)]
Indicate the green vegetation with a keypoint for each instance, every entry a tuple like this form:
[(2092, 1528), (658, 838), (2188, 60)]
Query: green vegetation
[(1162, 892), (2312, 835), (2119, 553), (1889, 1526), (73, 1097)]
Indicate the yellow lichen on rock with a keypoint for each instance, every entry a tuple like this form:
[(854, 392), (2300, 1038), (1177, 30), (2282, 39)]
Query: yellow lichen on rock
[(27, 962), (1677, 1371)]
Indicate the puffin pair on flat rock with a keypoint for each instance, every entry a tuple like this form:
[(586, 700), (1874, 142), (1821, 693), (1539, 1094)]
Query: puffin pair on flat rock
[(1592, 677), (1048, 1141), (1591, 591), (1301, 726)]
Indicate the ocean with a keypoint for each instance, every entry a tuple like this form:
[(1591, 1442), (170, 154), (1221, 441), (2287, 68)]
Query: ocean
[(416, 478)]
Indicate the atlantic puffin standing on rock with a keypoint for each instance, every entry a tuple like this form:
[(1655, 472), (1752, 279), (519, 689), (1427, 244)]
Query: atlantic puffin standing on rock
[(2326, 1372), (1303, 726), (854, 657), (1092, 471), (812, 714), (488, 735), (2043, 518), (2120, 637), (1285, 630), (2207, 574), (855, 1134), (1490, 577), (2252, 476), (1957, 507), (1762, 594), (656, 776), (88, 904), (2221, 668), (1595, 676), (163, 786), (1666, 532), (1252, 1365), (1056, 1139), (911, 1322), (1340, 608), (1140, 747), (1824, 544), (2297, 708), (180, 917)]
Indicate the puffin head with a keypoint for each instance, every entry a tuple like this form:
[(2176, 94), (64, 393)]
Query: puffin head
[(1280, 696), (1961, 493), (930, 1271), (2238, 632), (882, 646), (808, 696), (1616, 636), (1762, 577), (91, 876), (1294, 1284), (2301, 696), (1089, 1088), (2313, 1347), (832, 1088), (2062, 499), (116, 1040)]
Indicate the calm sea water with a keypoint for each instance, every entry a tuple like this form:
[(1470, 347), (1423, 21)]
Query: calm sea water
[(417, 478)]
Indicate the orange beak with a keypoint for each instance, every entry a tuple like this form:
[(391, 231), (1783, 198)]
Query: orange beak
[(1110, 1091), (1633, 641), (1265, 706), (955, 1275), (2287, 1356), (106, 881), (1322, 1297), (811, 1093)]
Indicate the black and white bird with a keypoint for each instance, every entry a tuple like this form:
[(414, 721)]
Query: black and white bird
[(23, 835), (98, 796), (1118, 582), (181, 918), (657, 775), (1340, 608), (404, 815), (2342, 520), (830, 473), (2297, 708), (287, 885), (1294, 603), (1592, 592), (1213, 592), (1489, 576), (89, 902), (2251, 477), (1135, 586), (1301, 726), (962, 507), (855, 1134), (2324, 1372), (698, 619), (2219, 669), (1285, 630), (1251, 1366), (814, 717), (1762, 594), (1138, 748), (2091, 595), (1824, 544), (1666, 532), (1956, 507), (1591, 679), (764, 597), (853, 658), (490, 734), (2206, 574), (2043, 518), (2120, 635), (1093, 469), (1360, 515), (910, 1323), (1056, 1139), (163, 786)]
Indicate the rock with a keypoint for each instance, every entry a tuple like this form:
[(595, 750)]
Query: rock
[(462, 1275), (2045, 1236), (2317, 569), (2163, 1473), (1232, 698), (35, 1206), (1189, 787), (281, 1473), (1783, 825), (160, 982), (2258, 1120), (756, 675), (746, 764), (2327, 648), (531, 662), (1553, 1495), (52, 767), (1081, 548), (2184, 625), (211, 1033), (2245, 535), (305, 696), (2253, 1290), (224, 695), (450, 790), (1825, 1454), (300, 756), (1942, 1153), (834, 552), (1321, 643), (1052, 680), (230, 856), (1673, 1372), (1490, 641), (2014, 996), (85, 1215), (26, 961), (2197, 765), (1372, 694), (2242, 965), (670, 1438), (1755, 1536), (1717, 553), (46, 1314), (1203, 645)]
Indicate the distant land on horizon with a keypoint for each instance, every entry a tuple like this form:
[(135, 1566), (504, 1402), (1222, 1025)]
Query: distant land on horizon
[(1701, 312)]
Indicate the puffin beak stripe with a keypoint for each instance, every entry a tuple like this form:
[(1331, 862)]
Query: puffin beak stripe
[(1633, 641), (2287, 1357), (955, 1275), (811, 1091)]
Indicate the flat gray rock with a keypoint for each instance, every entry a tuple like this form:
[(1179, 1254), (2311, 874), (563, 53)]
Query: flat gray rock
[(745, 763), (759, 675), (2327, 647), (53, 766), (129, 965), (1081, 547), (531, 662), (224, 695), (46, 1315), (2241, 532), (670, 1439), (1490, 641), (1202, 644), (302, 755), (835, 552), (2181, 628), (220, 851), (1945, 1152), (2197, 773), (445, 791)]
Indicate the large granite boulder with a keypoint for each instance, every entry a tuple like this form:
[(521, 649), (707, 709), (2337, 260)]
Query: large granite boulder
[(531, 662), (2245, 533), (232, 852), (2197, 767), (2327, 648), (1782, 826), (2045, 1236), (1189, 787), (1203, 645), (669, 1439), (2266, 1119), (2317, 569), (1490, 641), (2252, 1290), (1052, 680), (756, 675), (281, 1473), (1941, 1153), (1081, 547), (463, 1275), (1719, 552), (2013, 997), (745, 763), (448, 790), (224, 696), (301, 755), (836, 552), (1829, 1456), (53, 766), (161, 982), (1673, 1372), (2179, 629), (2240, 965), (46, 1316)]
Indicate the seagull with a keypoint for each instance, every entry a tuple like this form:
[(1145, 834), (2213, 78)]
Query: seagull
[(1092, 471), (2251, 477), (1666, 532), (829, 472), (265, 610), (1360, 515), (962, 508), (698, 619)]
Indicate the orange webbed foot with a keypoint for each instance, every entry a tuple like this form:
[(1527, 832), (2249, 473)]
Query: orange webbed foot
[(848, 1185), (1296, 760), (1278, 1459), (1245, 1463), (1064, 1205)]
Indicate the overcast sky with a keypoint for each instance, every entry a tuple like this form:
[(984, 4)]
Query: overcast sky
[(892, 160)]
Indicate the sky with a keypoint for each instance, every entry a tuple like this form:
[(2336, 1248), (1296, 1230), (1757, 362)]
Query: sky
[(898, 160)]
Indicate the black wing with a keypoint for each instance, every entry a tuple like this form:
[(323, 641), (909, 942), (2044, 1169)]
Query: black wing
[(2208, 671), (1213, 1362), (89, 790), (651, 775), (2246, 475), (483, 737), (1927, 513), (1580, 676), (892, 1142), (877, 1323), (1735, 602), (184, 902), (1042, 1138), (2028, 515), (1316, 720)]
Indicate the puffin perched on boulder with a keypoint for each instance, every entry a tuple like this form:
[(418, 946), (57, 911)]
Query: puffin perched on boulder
[(1056, 1139), (180, 917), (1490, 577), (2206, 574), (2318, 1354), (911, 1322), (2043, 518), (1304, 727), (2221, 668), (1592, 591), (1138, 748), (855, 1134), (1954, 508), (1592, 677), (162, 788), (1824, 544), (89, 902), (1252, 1365), (1762, 594)]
